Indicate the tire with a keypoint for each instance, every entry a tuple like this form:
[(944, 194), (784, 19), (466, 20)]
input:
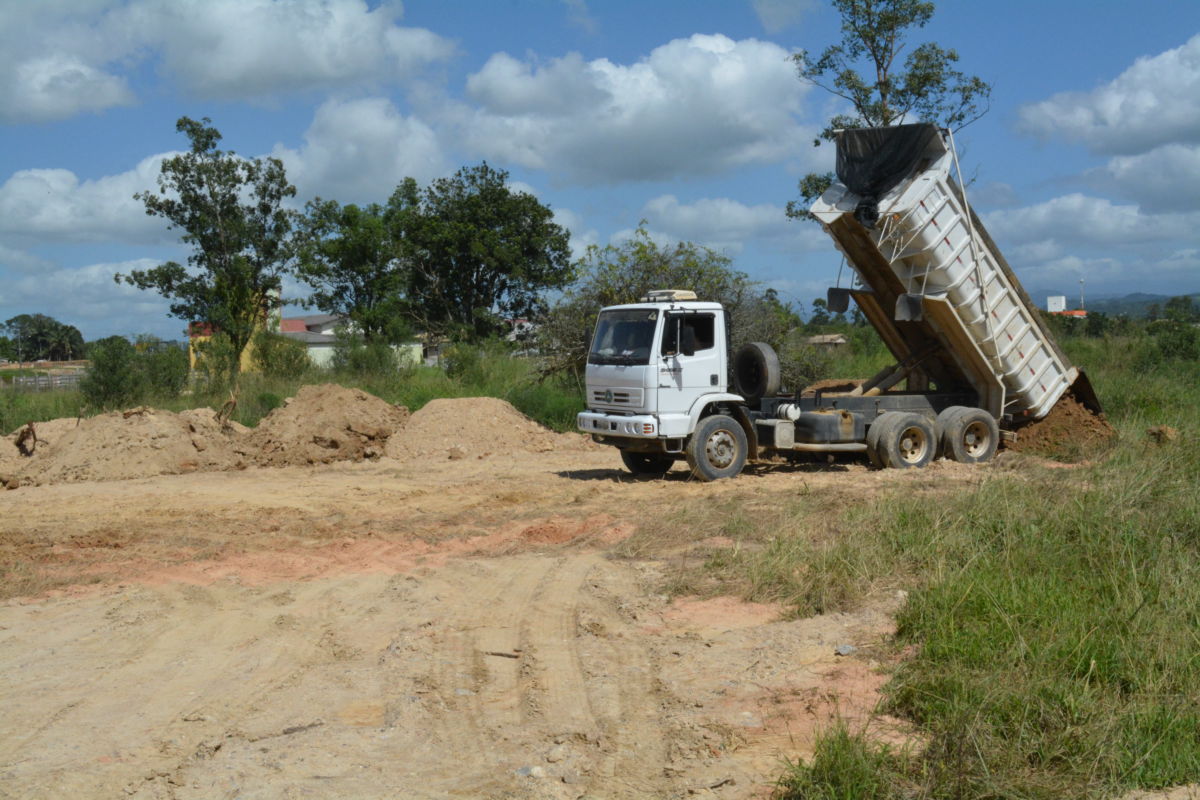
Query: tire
[(654, 464), (717, 449), (877, 427), (971, 436), (756, 372), (943, 422), (906, 440)]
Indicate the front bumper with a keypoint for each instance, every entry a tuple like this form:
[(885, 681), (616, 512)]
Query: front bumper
[(638, 426)]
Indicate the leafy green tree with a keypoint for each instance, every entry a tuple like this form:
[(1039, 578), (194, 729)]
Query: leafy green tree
[(37, 336), (230, 210), (820, 316), (478, 252), (624, 273), (352, 258), (864, 69)]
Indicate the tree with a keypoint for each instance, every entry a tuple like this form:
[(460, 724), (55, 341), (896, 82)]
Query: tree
[(478, 252), (1181, 309), (37, 336), (926, 87), (624, 273), (352, 259), (231, 212)]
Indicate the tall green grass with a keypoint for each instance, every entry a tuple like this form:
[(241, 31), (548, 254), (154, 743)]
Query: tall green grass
[(1053, 615)]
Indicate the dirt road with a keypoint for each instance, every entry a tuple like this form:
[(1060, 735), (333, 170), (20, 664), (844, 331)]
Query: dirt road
[(433, 628)]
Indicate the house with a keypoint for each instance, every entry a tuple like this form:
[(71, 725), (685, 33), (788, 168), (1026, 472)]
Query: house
[(318, 333), (826, 341)]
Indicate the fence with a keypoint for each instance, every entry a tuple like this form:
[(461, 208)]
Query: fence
[(42, 383)]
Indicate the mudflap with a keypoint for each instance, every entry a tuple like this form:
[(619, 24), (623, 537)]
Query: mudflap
[(1085, 394), (743, 418)]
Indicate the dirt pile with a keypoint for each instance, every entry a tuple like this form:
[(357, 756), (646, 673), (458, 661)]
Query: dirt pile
[(1070, 430), (324, 423), (137, 443), (475, 427), (832, 386)]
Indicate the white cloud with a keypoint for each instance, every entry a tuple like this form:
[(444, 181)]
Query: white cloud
[(58, 86), (22, 261), (693, 106), (88, 298), (1164, 179), (59, 58), (777, 15), (53, 205), (1174, 272), (359, 150), (1154, 102), (727, 225), (1088, 221), (582, 236), (248, 48)]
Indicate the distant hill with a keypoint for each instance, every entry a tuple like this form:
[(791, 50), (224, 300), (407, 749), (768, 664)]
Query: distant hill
[(1135, 305)]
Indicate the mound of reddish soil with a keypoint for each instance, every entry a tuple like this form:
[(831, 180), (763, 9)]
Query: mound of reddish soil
[(475, 427), (1069, 429), (322, 424), (137, 443)]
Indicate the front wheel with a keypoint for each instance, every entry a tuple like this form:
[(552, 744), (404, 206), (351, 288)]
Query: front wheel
[(647, 463), (717, 449)]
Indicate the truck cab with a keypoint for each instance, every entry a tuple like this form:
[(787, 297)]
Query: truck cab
[(655, 369)]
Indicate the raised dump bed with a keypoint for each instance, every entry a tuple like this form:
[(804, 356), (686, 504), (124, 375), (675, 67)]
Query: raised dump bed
[(933, 283)]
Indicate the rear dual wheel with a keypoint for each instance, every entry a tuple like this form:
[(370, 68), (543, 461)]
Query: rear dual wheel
[(901, 440), (969, 435)]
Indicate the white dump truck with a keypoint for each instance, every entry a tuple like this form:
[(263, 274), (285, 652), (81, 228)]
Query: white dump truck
[(663, 383)]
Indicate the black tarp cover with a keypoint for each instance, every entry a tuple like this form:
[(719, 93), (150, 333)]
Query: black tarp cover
[(871, 161)]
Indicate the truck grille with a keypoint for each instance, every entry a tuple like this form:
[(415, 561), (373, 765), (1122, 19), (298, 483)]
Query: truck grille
[(617, 397)]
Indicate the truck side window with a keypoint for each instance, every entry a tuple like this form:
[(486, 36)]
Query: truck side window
[(702, 326)]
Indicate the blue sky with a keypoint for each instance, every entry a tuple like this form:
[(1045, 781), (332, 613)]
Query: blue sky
[(687, 115)]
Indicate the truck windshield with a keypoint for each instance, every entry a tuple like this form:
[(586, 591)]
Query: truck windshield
[(624, 337)]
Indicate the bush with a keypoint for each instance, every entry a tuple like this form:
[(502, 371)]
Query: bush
[(803, 364), (352, 354), (164, 369), (114, 379), (280, 357), (216, 362), (1176, 340)]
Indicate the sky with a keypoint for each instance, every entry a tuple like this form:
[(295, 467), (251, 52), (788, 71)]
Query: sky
[(686, 115)]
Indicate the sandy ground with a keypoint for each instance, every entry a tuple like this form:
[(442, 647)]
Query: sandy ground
[(437, 627)]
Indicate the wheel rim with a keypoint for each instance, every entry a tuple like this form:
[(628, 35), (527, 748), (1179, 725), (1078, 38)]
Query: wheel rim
[(721, 449), (912, 445), (976, 439)]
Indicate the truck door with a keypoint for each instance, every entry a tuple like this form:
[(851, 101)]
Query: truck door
[(691, 360)]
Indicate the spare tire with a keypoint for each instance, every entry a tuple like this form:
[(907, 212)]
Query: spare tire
[(756, 372)]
